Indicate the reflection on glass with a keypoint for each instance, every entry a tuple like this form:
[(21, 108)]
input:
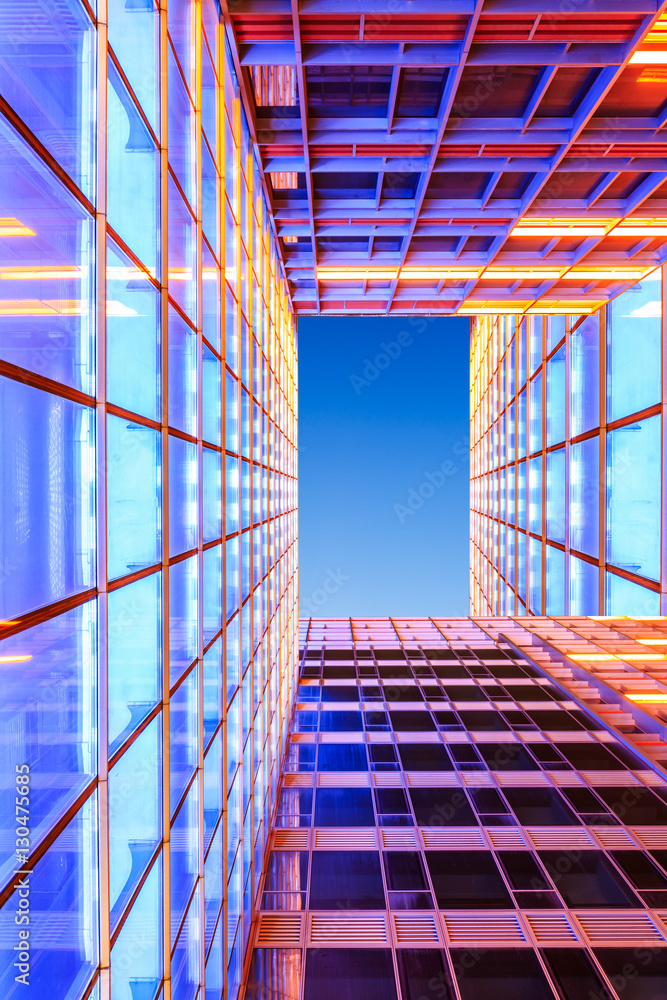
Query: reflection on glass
[(136, 957), (634, 342), (634, 497), (133, 496), (182, 616), (47, 463), (183, 493), (46, 316), (183, 749), (47, 720), (182, 374), (133, 36)]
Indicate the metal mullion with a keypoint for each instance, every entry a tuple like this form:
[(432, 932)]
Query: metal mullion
[(545, 320), (602, 471), (101, 503), (164, 439), (663, 450), (568, 448)]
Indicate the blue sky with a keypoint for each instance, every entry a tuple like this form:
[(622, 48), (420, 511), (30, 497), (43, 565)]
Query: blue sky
[(383, 465)]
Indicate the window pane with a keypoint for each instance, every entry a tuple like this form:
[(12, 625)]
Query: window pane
[(183, 495), (133, 36), (556, 495), (556, 398), (46, 319), (627, 598), (584, 588), (634, 345), (133, 497), (182, 253), (585, 376), (47, 462), (136, 956), (182, 616), (46, 74), (634, 465), (585, 496), (182, 374)]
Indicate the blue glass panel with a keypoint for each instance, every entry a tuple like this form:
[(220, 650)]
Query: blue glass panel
[(521, 565), (181, 128), (231, 413), (211, 306), (233, 827), (183, 495), (536, 335), (209, 92), (47, 720), (634, 477), (634, 355), (555, 581), (134, 650), (186, 963), (46, 74), (184, 857), (213, 778), (182, 374), (136, 957), (213, 690), (535, 575), (231, 494), (521, 495), (47, 465), (232, 575), (233, 652), (135, 796), (182, 616), (133, 496), (133, 337), (627, 598), (215, 968), (211, 398), (534, 494), (585, 376), (212, 495), (555, 331), (182, 253), (522, 358), (231, 320), (209, 192), (212, 591), (183, 738), (585, 496), (63, 903), (555, 412), (535, 438), (246, 495), (133, 36), (180, 23), (584, 588), (133, 170), (46, 262), (521, 425), (556, 495)]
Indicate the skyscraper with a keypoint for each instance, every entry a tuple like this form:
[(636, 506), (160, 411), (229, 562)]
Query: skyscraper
[(195, 804)]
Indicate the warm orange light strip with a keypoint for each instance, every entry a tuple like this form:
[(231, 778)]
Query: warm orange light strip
[(652, 642), (649, 57), (37, 272), (647, 699), (42, 307), (12, 227), (16, 659)]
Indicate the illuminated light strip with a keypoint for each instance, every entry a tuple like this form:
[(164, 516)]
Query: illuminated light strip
[(521, 274), (648, 699), (604, 273), (10, 226), (37, 272), (16, 659), (591, 657), (657, 57), (43, 307), (652, 642), (556, 230), (643, 656), (357, 274), (547, 310), (438, 273), (639, 231)]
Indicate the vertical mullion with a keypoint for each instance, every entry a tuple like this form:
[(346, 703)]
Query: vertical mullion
[(164, 440), (545, 320), (568, 436), (101, 519), (602, 498), (663, 450)]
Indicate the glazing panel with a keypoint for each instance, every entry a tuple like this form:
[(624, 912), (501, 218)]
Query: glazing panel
[(133, 337), (182, 616), (535, 442), (213, 779), (133, 171), (275, 974), (134, 815), (211, 306), (47, 721), (584, 496), (47, 64), (535, 578), (184, 857), (134, 652), (181, 128), (634, 496), (585, 376), (185, 962), (346, 879), (47, 462), (136, 956), (584, 587), (182, 374), (356, 974), (535, 495), (555, 495), (133, 35), (46, 263), (555, 581), (555, 411), (63, 904), (183, 495), (627, 598), (182, 253), (212, 591), (133, 496), (213, 688), (211, 397), (212, 495), (634, 354), (183, 736)]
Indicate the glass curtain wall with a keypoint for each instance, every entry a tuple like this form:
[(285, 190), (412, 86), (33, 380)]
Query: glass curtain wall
[(567, 442), (148, 533)]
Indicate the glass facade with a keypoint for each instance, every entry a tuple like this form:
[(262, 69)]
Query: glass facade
[(148, 597), (452, 823), (567, 469)]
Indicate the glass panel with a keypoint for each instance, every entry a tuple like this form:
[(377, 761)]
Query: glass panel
[(584, 588), (184, 856), (182, 374), (63, 904), (212, 591), (585, 496), (556, 495), (133, 36), (134, 814), (182, 616), (46, 74), (535, 583), (47, 462), (555, 413), (535, 495), (182, 253), (183, 739), (211, 397), (185, 962), (133, 170), (136, 957), (555, 581), (181, 128), (212, 499), (634, 460), (46, 268), (627, 598), (634, 341), (134, 650), (211, 308), (183, 495), (585, 376), (47, 721), (133, 496), (133, 337)]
